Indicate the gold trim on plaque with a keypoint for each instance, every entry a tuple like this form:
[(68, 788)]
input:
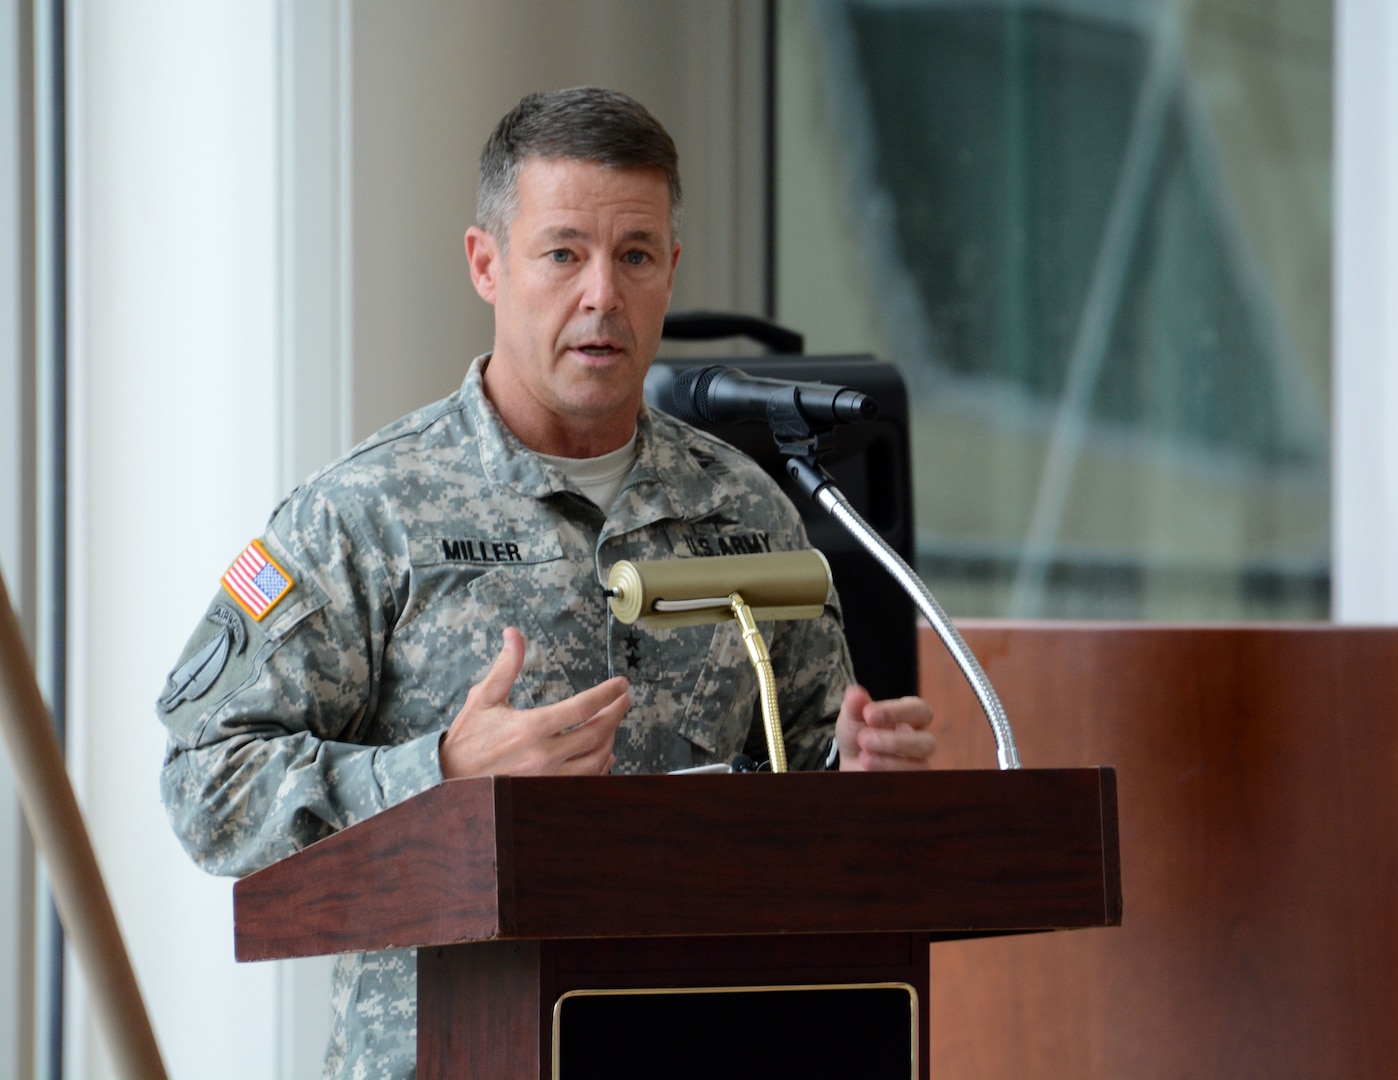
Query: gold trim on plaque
[(634, 991)]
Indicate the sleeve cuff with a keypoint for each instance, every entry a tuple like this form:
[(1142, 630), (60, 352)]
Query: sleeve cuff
[(409, 768)]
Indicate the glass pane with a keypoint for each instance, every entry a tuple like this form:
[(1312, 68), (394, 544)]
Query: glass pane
[(1095, 237)]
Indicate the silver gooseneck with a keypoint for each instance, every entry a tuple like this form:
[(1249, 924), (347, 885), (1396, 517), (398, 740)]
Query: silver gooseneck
[(817, 483)]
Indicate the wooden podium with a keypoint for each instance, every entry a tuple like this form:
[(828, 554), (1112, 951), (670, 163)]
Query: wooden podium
[(518, 891)]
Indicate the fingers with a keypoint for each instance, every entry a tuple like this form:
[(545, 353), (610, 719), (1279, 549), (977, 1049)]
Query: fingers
[(601, 700), (856, 700), (884, 735), (478, 741), (586, 748), (903, 748), (490, 737), (495, 688), (899, 712)]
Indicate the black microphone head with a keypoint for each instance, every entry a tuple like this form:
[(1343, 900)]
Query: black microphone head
[(689, 394), (852, 407)]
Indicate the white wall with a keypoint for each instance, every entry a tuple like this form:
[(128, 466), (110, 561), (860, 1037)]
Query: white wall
[(1365, 492), (173, 351)]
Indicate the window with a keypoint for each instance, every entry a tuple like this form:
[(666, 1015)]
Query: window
[(1095, 237)]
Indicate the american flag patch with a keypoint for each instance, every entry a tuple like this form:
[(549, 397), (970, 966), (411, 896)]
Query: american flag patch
[(256, 582)]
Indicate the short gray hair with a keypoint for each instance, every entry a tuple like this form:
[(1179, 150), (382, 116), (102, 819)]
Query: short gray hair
[(581, 124)]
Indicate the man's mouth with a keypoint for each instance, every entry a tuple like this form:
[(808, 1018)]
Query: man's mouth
[(598, 349)]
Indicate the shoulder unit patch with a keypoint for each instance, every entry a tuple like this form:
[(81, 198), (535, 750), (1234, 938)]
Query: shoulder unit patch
[(193, 678)]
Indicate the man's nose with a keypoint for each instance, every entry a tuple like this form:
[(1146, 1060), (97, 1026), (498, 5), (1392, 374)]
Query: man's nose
[(600, 292)]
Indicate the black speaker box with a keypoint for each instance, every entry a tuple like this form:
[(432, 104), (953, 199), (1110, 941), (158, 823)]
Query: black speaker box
[(870, 463)]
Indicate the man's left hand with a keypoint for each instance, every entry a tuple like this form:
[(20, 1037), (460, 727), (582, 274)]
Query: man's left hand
[(884, 735)]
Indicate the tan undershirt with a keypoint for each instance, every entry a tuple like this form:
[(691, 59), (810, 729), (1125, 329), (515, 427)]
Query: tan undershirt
[(599, 478)]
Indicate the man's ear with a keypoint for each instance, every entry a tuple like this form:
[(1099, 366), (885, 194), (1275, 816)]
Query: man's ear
[(483, 257), (674, 264), (670, 284)]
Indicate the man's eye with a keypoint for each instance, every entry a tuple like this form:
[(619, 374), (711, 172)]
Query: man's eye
[(636, 258), (561, 255)]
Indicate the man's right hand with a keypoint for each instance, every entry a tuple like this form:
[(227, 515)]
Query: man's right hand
[(569, 738)]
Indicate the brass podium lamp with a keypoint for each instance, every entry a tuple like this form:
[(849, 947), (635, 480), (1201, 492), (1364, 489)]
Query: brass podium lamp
[(691, 592)]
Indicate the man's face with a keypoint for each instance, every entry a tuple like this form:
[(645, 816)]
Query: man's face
[(580, 297)]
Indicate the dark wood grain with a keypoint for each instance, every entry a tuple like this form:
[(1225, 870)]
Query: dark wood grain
[(418, 873), (548, 857), (482, 1011), (1259, 853), (700, 961), (809, 853)]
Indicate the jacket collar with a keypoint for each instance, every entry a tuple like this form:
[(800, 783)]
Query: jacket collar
[(668, 479)]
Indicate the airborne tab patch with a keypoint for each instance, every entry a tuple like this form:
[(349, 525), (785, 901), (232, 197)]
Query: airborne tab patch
[(193, 678), (256, 581)]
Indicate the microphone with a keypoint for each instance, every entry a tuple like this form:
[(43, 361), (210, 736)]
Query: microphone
[(724, 395)]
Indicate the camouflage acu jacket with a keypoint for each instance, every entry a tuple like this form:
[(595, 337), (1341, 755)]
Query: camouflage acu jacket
[(344, 640)]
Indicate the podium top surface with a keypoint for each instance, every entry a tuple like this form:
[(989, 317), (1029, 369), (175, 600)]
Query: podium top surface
[(955, 853)]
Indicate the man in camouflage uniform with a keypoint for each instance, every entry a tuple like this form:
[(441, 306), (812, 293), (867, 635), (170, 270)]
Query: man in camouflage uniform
[(459, 554)]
